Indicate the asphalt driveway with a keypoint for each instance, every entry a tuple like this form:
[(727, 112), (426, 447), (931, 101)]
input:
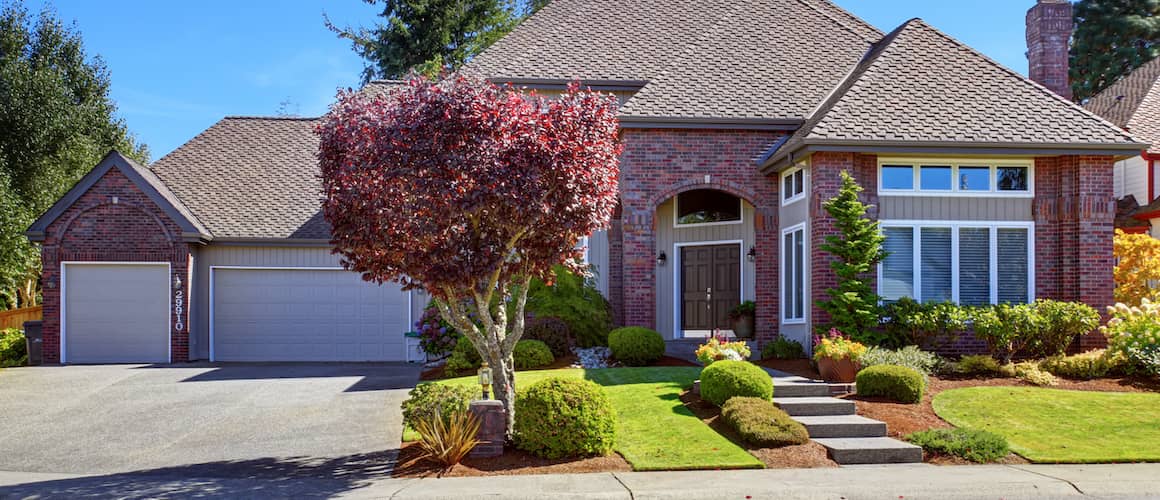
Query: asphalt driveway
[(203, 420)]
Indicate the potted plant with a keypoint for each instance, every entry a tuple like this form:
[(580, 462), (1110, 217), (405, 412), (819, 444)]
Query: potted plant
[(742, 317), (838, 357)]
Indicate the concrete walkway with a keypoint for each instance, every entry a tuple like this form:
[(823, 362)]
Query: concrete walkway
[(871, 482)]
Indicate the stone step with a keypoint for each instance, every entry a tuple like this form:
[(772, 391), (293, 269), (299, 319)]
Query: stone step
[(871, 450), (814, 406), (800, 389), (842, 426)]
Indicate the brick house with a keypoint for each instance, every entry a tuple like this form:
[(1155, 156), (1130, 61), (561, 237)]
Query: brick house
[(737, 119)]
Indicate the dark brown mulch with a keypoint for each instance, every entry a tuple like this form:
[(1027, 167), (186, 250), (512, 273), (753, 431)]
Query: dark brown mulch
[(411, 464), (809, 455), (799, 367), (671, 361)]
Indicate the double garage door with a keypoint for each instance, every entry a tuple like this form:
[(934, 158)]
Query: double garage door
[(120, 313)]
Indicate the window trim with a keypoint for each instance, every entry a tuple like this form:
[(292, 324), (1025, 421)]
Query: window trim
[(994, 164), (677, 211), (786, 307), (955, 226), (785, 202)]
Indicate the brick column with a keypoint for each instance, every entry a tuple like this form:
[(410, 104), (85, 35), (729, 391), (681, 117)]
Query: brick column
[(768, 256), (639, 265)]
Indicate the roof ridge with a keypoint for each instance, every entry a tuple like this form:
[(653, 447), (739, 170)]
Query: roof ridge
[(839, 22), (1036, 85), (269, 117)]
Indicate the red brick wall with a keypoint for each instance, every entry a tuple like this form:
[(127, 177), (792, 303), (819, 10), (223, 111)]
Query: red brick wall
[(659, 164), (94, 229)]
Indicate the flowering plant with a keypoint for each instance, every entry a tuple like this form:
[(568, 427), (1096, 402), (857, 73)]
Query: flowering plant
[(436, 337), (836, 346), (1134, 333), (719, 348)]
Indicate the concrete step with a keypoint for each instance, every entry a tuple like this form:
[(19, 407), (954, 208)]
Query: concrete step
[(871, 450), (814, 406), (842, 426), (800, 389)]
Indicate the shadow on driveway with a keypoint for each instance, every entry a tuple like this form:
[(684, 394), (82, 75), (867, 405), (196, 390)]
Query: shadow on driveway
[(258, 478), (372, 376)]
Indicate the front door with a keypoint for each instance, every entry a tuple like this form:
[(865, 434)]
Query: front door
[(710, 287)]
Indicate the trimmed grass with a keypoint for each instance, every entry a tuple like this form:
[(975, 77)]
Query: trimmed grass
[(1058, 426), (655, 431)]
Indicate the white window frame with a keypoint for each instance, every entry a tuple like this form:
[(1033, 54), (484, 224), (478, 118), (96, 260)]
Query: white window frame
[(677, 211), (786, 201), (993, 164), (786, 306), (954, 226)]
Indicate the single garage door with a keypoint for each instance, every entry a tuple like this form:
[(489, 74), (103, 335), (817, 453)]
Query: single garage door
[(306, 315), (115, 313)]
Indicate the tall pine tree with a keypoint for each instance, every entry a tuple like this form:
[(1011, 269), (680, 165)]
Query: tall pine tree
[(856, 249), (1112, 38)]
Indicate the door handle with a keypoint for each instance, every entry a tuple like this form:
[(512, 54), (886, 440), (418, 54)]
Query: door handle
[(709, 296)]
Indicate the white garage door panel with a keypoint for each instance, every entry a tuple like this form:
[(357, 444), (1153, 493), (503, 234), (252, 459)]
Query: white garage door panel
[(306, 315), (116, 313)]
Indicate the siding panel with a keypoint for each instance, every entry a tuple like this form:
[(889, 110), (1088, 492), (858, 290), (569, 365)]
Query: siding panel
[(948, 208)]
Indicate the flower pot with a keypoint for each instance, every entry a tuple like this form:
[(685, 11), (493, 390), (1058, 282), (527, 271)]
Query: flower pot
[(743, 327), (838, 371)]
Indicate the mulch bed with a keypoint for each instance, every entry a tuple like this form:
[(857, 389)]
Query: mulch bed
[(799, 367), (411, 464), (809, 455)]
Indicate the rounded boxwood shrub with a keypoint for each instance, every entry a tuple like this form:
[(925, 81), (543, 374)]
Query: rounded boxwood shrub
[(464, 358), (973, 445), (532, 354), (898, 383), (427, 400), (557, 418), (760, 423), (723, 380), (552, 331), (636, 346)]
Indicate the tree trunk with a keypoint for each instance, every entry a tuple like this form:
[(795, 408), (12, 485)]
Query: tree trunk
[(503, 385)]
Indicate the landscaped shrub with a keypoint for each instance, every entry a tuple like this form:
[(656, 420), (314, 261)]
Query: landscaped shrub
[(552, 331), (719, 350), (557, 418), (575, 300), (1007, 328), (1086, 366), (1029, 372), (783, 348), (723, 380), (13, 349), (1063, 322), (464, 358), (977, 365), (1134, 334), (532, 354), (760, 423), (436, 337), (910, 356), (973, 445), (448, 440), (426, 401), (636, 346), (897, 383), (924, 323)]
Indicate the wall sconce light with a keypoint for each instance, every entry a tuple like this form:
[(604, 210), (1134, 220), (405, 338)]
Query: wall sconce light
[(662, 258), (752, 254)]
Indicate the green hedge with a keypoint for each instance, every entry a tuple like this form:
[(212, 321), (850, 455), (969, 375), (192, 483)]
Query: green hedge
[(464, 358), (724, 380), (973, 445), (552, 331), (427, 400), (575, 300), (558, 418), (760, 423), (783, 348), (636, 346), (898, 383), (532, 354), (13, 348)]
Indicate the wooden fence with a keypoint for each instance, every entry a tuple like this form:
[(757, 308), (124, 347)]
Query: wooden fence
[(16, 317)]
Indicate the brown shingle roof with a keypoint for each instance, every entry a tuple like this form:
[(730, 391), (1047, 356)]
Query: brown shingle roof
[(919, 86), (1133, 103)]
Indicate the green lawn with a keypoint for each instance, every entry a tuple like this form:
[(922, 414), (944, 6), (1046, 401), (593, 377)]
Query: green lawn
[(655, 431), (1051, 425)]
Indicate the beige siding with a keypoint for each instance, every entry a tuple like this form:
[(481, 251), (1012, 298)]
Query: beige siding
[(668, 237), (256, 256), (1131, 178), (598, 258), (789, 216), (948, 208)]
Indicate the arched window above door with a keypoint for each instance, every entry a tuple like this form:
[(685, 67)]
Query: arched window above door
[(707, 206)]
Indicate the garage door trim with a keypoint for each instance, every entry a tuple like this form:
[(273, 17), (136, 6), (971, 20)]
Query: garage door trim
[(64, 303), (212, 283)]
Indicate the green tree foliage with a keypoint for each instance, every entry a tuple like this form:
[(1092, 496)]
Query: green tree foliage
[(856, 250), (1112, 38), (56, 122), (432, 36)]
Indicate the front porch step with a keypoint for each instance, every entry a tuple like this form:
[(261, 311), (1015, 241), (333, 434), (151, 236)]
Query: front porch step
[(872, 450), (813, 406), (800, 389), (842, 426)]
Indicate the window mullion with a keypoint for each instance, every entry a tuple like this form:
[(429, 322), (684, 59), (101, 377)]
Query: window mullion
[(917, 235), (994, 231), (955, 264)]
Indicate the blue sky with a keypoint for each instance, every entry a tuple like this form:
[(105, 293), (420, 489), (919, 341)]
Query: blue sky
[(180, 66)]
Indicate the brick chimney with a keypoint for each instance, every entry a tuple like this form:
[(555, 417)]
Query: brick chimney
[(1049, 26)]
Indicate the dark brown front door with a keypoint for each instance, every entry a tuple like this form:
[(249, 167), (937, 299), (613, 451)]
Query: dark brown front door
[(710, 286)]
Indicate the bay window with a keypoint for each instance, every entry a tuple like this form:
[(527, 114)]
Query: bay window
[(970, 263)]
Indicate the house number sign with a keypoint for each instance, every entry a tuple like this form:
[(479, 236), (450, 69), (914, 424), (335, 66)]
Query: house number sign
[(179, 308)]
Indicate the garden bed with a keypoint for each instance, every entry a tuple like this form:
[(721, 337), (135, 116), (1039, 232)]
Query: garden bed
[(411, 464), (799, 367)]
